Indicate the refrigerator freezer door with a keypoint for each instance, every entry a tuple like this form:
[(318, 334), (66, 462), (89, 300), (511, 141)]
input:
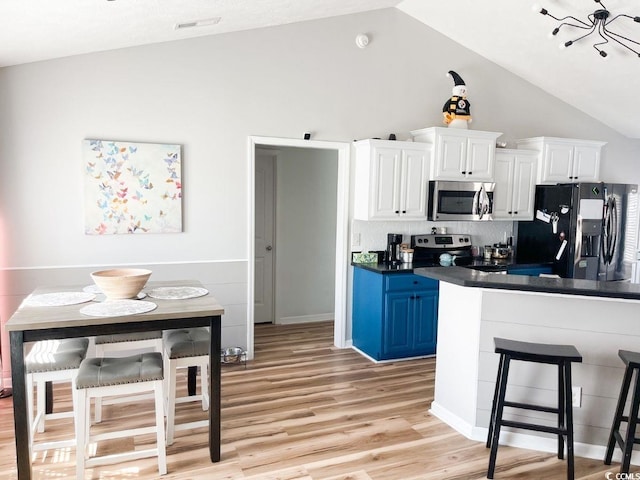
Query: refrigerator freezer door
[(620, 230)]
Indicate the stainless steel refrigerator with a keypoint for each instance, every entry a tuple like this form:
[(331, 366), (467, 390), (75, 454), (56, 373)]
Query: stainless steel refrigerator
[(585, 230)]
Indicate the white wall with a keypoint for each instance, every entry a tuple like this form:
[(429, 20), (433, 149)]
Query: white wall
[(209, 94), (305, 234)]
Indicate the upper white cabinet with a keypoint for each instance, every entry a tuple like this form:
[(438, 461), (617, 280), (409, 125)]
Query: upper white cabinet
[(515, 179), (565, 160), (459, 154), (391, 180)]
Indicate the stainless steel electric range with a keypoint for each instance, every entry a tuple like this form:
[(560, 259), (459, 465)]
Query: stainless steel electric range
[(428, 248)]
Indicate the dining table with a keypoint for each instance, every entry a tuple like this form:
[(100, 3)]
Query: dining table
[(34, 321)]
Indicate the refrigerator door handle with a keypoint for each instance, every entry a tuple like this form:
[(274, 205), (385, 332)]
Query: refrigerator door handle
[(609, 230), (614, 226), (604, 240)]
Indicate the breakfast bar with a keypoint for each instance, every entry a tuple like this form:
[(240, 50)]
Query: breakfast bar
[(598, 318), (34, 323)]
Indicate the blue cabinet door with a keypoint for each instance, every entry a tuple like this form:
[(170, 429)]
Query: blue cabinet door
[(425, 326), (410, 324), (398, 325)]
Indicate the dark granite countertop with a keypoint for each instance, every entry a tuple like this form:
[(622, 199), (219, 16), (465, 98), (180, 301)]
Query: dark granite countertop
[(386, 268), (410, 267), (467, 277)]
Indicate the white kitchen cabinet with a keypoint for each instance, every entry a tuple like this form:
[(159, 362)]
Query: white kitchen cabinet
[(515, 179), (459, 154), (565, 160), (391, 180)]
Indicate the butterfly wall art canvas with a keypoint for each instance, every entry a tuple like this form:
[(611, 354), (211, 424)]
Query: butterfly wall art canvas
[(132, 187)]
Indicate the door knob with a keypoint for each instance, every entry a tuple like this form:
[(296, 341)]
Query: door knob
[(269, 248)]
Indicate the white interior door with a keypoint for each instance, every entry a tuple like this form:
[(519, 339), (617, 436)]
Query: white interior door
[(264, 237)]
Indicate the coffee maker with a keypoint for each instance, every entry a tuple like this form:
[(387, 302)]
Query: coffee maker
[(393, 248)]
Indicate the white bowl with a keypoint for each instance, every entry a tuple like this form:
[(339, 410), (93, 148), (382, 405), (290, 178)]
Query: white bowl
[(118, 283)]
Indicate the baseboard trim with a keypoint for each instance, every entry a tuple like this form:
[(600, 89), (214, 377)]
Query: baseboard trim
[(391, 359), (523, 440), (457, 423), (321, 317)]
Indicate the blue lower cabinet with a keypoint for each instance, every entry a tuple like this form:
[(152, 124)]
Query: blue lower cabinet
[(530, 271), (425, 327), (394, 315)]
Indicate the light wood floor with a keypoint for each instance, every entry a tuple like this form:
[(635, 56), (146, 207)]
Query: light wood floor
[(305, 410)]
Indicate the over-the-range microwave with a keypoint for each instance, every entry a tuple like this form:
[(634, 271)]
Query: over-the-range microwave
[(460, 201)]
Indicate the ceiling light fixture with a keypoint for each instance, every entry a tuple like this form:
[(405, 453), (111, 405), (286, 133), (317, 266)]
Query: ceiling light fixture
[(598, 22), (198, 23)]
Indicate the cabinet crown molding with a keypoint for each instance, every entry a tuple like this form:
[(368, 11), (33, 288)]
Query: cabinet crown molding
[(568, 141), (431, 132)]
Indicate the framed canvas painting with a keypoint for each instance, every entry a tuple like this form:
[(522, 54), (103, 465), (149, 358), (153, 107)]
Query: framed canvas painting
[(132, 188)]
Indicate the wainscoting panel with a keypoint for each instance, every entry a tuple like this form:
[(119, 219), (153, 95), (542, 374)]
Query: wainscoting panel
[(226, 281)]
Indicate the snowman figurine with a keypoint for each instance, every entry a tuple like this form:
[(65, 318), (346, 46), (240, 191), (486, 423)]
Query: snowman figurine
[(457, 111)]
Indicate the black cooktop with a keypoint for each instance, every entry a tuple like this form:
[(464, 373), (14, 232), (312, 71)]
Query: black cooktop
[(471, 263)]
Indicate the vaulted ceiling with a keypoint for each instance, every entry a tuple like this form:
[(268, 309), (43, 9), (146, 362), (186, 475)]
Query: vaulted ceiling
[(506, 32)]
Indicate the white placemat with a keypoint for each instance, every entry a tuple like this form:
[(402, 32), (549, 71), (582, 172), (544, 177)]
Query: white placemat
[(92, 289), (58, 299), (177, 293), (118, 308), (96, 289)]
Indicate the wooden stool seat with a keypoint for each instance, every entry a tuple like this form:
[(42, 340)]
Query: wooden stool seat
[(51, 361), (560, 355), (98, 377), (632, 362), (123, 338), (188, 348), (124, 344)]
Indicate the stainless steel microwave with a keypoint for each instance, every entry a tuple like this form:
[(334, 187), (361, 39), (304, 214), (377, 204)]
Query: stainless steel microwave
[(460, 201)]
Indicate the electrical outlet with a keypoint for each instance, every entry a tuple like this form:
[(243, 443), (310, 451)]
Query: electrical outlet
[(576, 396), (355, 239)]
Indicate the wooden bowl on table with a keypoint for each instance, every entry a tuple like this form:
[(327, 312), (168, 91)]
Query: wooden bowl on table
[(119, 283)]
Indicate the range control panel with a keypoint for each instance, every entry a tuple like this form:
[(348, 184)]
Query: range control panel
[(444, 241)]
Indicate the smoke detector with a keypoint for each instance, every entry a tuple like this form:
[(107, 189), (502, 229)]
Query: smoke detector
[(362, 40)]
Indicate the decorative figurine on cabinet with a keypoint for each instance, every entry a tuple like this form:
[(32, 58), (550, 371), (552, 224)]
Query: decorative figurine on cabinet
[(457, 110)]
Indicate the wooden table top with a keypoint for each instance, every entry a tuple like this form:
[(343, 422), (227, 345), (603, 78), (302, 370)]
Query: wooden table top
[(40, 318)]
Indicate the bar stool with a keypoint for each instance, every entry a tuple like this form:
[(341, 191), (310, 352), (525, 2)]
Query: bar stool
[(560, 355), (98, 377), (107, 345), (128, 341), (632, 362), (185, 348), (51, 360)]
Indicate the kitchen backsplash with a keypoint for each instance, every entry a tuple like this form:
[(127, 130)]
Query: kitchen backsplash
[(373, 235)]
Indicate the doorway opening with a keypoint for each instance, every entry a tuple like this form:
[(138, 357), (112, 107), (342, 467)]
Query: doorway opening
[(263, 253)]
